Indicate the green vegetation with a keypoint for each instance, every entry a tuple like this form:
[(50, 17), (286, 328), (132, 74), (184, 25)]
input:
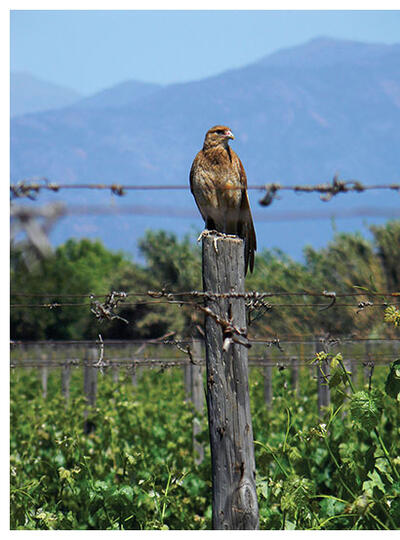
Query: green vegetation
[(349, 264), (136, 470)]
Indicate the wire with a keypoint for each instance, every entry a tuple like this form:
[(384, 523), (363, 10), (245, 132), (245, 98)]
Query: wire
[(30, 188), (280, 361), (191, 213), (195, 294)]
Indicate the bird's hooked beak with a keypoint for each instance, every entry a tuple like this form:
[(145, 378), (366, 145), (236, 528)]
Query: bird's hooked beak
[(229, 134)]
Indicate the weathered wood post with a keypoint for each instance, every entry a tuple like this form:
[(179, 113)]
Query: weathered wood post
[(187, 381), (90, 387), (268, 383), (234, 497), (294, 375), (44, 374), (115, 373), (44, 370), (355, 372), (366, 363), (65, 379), (197, 394), (323, 371)]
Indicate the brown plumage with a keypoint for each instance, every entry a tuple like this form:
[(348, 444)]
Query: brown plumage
[(219, 185)]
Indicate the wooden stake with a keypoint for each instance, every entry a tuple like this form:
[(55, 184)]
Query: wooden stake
[(268, 384), (234, 497), (197, 394), (324, 394), (90, 387), (294, 375)]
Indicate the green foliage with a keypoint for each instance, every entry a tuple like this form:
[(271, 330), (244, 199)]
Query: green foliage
[(136, 470), (392, 315), (349, 264), (392, 386), (387, 242), (341, 473), (76, 268), (85, 267), (365, 409)]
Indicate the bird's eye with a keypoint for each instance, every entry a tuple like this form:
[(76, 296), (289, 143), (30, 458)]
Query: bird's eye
[(220, 131)]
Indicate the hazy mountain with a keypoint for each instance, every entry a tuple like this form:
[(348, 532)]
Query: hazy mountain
[(299, 115), (327, 52), (120, 95), (29, 94)]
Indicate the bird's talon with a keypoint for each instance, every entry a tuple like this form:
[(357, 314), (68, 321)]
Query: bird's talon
[(203, 234), (215, 244)]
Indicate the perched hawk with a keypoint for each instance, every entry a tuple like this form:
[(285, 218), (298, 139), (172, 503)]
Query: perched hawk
[(219, 185)]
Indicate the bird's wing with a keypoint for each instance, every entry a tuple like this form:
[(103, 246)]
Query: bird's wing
[(192, 173), (246, 226), (194, 184)]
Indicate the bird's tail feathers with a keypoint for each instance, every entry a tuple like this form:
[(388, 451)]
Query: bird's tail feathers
[(248, 233)]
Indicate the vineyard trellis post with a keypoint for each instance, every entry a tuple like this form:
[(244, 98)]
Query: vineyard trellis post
[(65, 380), (234, 496), (294, 375), (197, 393), (187, 380), (41, 356), (355, 372), (90, 386), (115, 374), (366, 368), (324, 394), (268, 383)]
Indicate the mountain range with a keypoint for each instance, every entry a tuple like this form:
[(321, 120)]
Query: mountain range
[(29, 94), (299, 115)]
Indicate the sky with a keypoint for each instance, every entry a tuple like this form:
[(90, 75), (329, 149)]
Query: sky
[(89, 50)]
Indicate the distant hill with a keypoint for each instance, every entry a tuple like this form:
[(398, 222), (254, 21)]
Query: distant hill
[(299, 115), (120, 95), (323, 51), (29, 94)]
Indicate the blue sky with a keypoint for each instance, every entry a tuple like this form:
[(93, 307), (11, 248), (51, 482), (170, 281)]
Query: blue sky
[(92, 50)]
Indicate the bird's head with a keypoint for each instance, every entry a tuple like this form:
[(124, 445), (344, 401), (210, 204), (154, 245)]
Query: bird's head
[(218, 136)]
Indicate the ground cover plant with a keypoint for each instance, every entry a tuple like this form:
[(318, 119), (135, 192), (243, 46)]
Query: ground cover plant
[(137, 470)]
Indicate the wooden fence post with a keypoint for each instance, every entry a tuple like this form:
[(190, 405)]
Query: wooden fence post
[(44, 370), (366, 367), (324, 394), (44, 374), (136, 369), (355, 372), (115, 373), (234, 497), (268, 383), (187, 381), (197, 397), (65, 379), (348, 364), (90, 387), (294, 374)]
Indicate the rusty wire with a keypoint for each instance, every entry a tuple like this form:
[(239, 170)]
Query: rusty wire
[(163, 340), (106, 314), (104, 361), (249, 295), (30, 188)]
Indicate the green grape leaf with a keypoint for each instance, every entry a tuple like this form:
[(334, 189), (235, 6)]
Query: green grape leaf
[(392, 385), (365, 409)]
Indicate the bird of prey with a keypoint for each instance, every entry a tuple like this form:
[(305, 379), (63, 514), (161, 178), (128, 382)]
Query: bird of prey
[(219, 185)]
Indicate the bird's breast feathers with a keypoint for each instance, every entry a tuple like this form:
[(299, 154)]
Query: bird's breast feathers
[(216, 177)]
